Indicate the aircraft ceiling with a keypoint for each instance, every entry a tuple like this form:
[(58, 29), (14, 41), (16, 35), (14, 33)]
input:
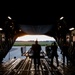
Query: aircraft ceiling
[(39, 22)]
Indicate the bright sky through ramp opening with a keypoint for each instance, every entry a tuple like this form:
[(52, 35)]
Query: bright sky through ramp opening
[(34, 37)]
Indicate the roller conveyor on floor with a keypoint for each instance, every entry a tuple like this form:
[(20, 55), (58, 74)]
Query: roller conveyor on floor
[(26, 67)]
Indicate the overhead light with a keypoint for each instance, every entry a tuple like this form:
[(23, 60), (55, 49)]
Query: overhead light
[(1, 29), (20, 30), (61, 18), (10, 26), (9, 17), (71, 28), (59, 26)]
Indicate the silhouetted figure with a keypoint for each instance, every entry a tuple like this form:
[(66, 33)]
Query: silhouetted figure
[(65, 53), (21, 51), (54, 54), (72, 54), (48, 51), (36, 53)]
